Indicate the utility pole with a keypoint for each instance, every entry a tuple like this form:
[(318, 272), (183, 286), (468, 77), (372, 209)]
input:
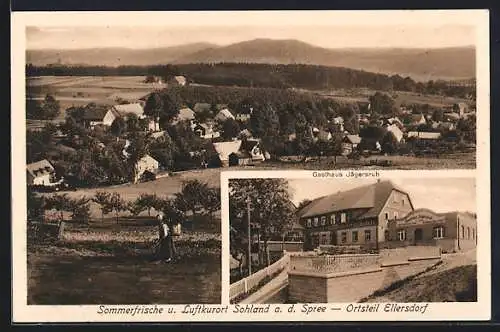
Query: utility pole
[(249, 240)]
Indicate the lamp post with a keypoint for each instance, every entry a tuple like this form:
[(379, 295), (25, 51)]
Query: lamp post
[(249, 239)]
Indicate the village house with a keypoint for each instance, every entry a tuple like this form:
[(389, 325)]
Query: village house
[(350, 143), (206, 131), (100, 115), (185, 114), (452, 231), (223, 115), (145, 164), (394, 129), (416, 119), (40, 173), (124, 110), (201, 107), (177, 81), (424, 135), (244, 116), (451, 116), (239, 152), (359, 216), (245, 133)]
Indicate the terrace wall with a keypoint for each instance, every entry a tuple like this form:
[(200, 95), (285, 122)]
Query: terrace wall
[(348, 282)]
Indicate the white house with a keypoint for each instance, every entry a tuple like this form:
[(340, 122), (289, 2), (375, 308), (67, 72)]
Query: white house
[(185, 114), (145, 164), (350, 143), (177, 81), (239, 152), (125, 109), (424, 135), (99, 115), (394, 129), (206, 131), (40, 173), (223, 115)]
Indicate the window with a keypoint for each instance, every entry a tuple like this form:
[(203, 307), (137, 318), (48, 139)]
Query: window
[(387, 236), (463, 232), (386, 216), (468, 233), (323, 221), (354, 236), (473, 234), (402, 235), (344, 237), (438, 232), (403, 202), (332, 219), (395, 215), (308, 222), (343, 218), (368, 236), (324, 239), (315, 221)]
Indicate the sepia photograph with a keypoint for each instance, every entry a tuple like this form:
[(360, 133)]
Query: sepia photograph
[(358, 241), (128, 126)]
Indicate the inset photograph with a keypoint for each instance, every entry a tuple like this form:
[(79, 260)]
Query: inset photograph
[(365, 240), (156, 242)]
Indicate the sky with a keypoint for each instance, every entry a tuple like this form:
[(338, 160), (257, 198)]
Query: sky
[(437, 194), (327, 36)]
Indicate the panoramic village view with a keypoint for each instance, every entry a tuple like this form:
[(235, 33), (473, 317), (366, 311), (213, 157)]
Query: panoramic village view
[(125, 144), (362, 241)]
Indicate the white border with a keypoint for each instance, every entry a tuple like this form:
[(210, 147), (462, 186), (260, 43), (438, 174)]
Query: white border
[(439, 311)]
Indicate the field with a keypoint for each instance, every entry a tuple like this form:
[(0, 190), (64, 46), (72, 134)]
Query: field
[(400, 97), (77, 91), (110, 264)]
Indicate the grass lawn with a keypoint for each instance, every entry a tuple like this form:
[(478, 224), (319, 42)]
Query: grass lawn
[(458, 284)]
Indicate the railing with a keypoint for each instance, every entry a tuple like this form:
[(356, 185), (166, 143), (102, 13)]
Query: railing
[(333, 263), (246, 284)]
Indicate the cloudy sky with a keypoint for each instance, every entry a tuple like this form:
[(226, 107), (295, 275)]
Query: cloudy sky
[(328, 36), (438, 194)]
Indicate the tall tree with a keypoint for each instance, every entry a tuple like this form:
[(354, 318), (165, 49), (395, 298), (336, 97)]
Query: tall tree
[(118, 127), (230, 129), (60, 203), (382, 103), (193, 194), (270, 206)]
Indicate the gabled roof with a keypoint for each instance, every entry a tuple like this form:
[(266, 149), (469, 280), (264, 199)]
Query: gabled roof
[(96, 113), (224, 114), (185, 114), (39, 168), (424, 134), (125, 109), (353, 139), (371, 198), (224, 149), (201, 107)]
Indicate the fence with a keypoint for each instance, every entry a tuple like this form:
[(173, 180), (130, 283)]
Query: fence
[(38, 231), (333, 263), (244, 285)]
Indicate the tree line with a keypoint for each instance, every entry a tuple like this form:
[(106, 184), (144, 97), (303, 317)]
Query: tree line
[(279, 76), (195, 197)]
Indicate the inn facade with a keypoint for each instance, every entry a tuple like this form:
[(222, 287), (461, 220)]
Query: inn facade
[(382, 215)]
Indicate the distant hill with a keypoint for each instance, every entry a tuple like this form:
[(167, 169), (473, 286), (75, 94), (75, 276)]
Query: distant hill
[(113, 56), (420, 64)]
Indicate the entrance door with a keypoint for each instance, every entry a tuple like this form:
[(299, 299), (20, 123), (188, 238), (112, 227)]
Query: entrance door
[(418, 235)]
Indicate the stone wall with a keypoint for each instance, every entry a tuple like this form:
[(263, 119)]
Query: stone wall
[(351, 286)]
